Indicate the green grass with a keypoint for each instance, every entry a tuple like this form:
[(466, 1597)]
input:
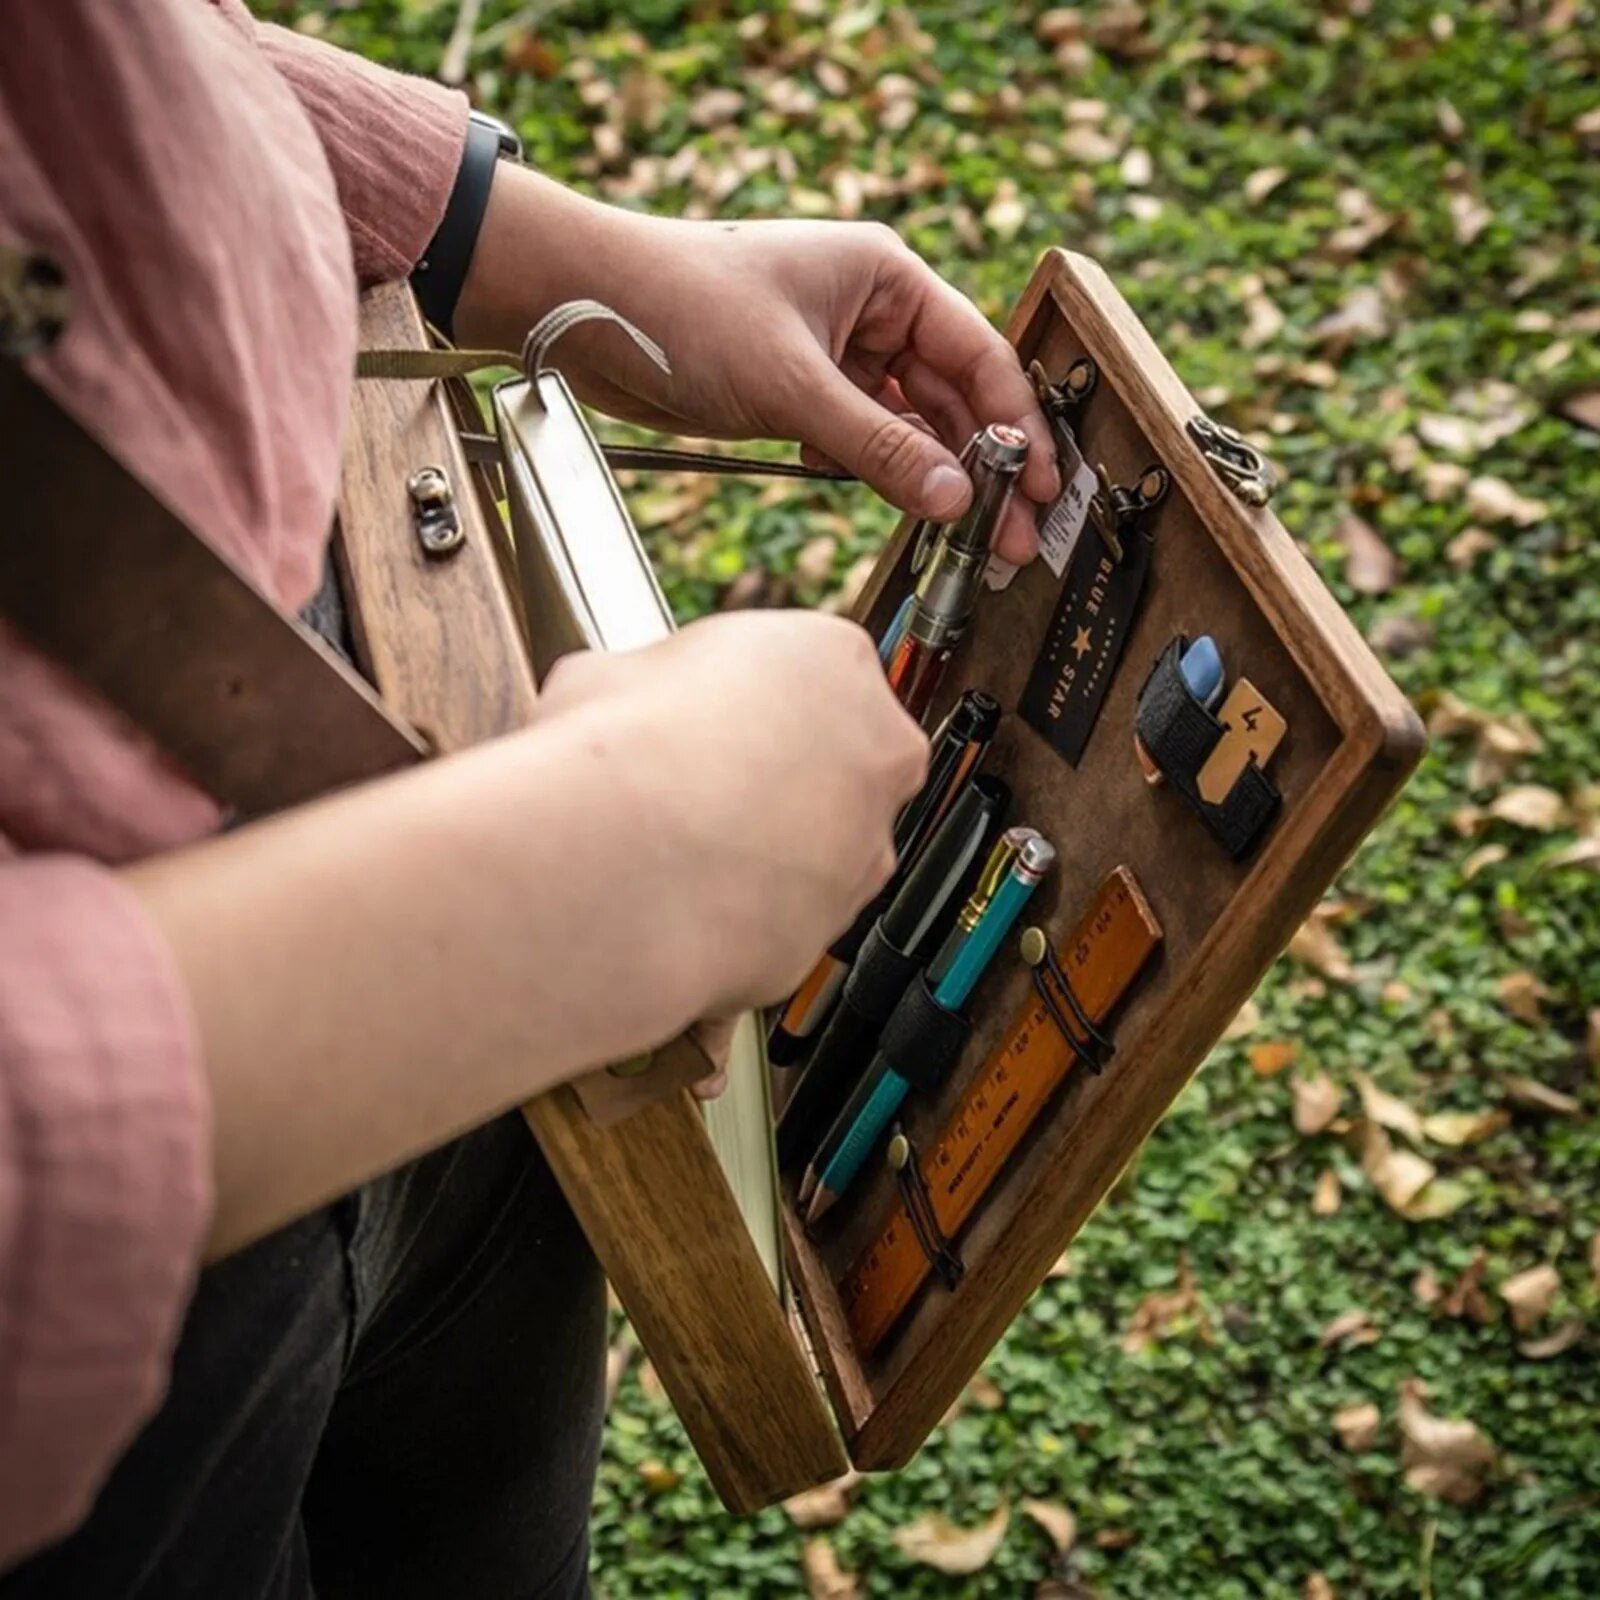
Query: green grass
[(1206, 1464)]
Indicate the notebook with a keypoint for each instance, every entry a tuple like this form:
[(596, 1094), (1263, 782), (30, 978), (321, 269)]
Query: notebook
[(593, 589)]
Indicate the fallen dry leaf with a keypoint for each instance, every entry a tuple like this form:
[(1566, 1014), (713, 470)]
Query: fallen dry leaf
[(1326, 1197), (937, 1542), (984, 1392), (1469, 216), (814, 564), (1444, 1458), (1245, 1021), (1457, 1128), (1370, 566), (1499, 742), (1466, 1297), (825, 1578), (1532, 1095), (1361, 315), (1264, 320), (1056, 1520), (1317, 1587), (1480, 416), (1137, 168), (1262, 182), (715, 107), (1271, 1056), (1425, 1287), (1439, 1199), (1490, 855), (1386, 1109), (1582, 852), (1583, 407), (658, 1477), (1088, 146), (1357, 1425), (1553, 1344), (1154, 1315), (1007, 212), (1529, 1294), (1494, 500), (1531, 805), (1316, 1103), (1399, 1176), (617, 1359), (1315, 944), (1349, 1328), (1523, 995), (1442, 480), (824, 1506)]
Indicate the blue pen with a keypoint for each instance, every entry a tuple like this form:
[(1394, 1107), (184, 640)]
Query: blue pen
[(882, 1092), (891, 635)]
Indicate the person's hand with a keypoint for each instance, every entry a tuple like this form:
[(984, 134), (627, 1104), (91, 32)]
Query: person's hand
[(832, 334), (772, 759)]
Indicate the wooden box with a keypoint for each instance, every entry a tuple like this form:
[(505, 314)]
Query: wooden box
[(741, 1368)]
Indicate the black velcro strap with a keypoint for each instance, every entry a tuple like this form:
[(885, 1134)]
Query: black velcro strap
[(1180, 734), (878, 978), (923, 1040)]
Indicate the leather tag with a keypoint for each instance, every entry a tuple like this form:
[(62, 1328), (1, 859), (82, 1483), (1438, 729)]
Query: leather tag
[(1084, 642), (1254, 732)]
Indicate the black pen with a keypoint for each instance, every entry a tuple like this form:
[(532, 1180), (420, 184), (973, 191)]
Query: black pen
[(958, 747), (911, 924)]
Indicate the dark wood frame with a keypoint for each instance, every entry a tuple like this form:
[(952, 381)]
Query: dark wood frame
[(1220, 566)]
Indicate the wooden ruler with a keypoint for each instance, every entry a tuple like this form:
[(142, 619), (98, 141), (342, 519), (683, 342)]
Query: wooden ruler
[(1101, 958)]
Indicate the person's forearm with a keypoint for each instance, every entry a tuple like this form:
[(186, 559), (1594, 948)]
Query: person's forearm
[(342, 1029), (541, 244)]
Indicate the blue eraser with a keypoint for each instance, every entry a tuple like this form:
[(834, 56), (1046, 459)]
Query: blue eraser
[(1201, 667)]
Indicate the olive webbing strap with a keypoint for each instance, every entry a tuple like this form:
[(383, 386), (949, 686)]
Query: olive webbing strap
[(445, 363)]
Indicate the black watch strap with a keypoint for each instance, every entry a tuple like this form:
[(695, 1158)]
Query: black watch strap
[(442, 270)]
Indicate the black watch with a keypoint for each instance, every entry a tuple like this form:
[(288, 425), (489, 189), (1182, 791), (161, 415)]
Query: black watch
[(442, 270)]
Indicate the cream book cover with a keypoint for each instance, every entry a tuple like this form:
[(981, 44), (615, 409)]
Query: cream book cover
[(587, 584)]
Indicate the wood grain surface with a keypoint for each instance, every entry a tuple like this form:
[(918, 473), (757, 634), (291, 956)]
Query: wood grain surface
[(1219, 567), (441, 641)]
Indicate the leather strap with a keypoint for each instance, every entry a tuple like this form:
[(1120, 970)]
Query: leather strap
[(103, 577), (1180, 735)]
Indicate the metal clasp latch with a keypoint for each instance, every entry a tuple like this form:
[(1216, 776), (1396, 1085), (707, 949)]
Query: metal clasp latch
[(1116, 506), (33, 302), (1059, 402), (1240, 465), (433, 510)]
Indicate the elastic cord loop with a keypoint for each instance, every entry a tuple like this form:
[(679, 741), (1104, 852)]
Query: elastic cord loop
[(1049, 971), (939, 1252)]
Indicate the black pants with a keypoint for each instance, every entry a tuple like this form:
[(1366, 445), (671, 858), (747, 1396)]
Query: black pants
[(400, 1396)]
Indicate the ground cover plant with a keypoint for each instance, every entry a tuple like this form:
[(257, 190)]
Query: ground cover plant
[(1336, 1333)]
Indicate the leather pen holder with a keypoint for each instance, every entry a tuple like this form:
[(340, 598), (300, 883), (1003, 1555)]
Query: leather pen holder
[(877, 979), (1180, 734)]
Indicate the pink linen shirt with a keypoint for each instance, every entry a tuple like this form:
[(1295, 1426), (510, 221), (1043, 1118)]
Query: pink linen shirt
[(214, 189)]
